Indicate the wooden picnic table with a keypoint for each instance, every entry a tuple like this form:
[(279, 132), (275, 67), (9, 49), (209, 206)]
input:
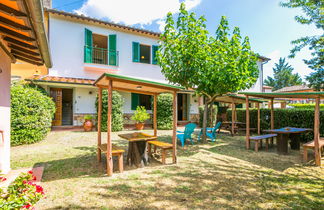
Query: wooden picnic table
[(137, 147), (286, 133), (227, 125)]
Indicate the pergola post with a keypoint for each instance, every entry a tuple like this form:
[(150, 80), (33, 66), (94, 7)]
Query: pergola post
[(316, 132), (271, 115), (233, 117), (155, 114), (109, 145), (247, 138), (99, 123), (259, 120), (174, 134)]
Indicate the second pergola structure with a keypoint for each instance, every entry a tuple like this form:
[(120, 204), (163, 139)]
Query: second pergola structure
[(234, 100), (271, 96), (134, 85)]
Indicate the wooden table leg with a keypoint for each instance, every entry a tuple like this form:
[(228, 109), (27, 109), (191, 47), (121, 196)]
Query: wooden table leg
[(282, 144)]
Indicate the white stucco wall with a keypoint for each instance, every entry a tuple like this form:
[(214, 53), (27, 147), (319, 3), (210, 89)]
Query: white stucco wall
[(257, 87), (84, 102), (67, 51), (194, 106), (5, 63)]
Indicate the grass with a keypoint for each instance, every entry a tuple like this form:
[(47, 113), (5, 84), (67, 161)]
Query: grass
[(215, 175)]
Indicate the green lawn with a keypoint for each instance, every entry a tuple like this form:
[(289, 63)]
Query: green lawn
[(214, 175)]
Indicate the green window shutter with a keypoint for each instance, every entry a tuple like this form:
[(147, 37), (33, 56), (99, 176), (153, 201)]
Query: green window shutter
[(136, 52), (87, 46), (155, 48), (135, 101), (112, 50)]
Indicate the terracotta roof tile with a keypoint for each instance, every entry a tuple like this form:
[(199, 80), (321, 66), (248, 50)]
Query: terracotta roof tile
[(56, 79), (293, 88)]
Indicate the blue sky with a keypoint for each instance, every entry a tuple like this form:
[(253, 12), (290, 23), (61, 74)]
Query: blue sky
[(270, 27)]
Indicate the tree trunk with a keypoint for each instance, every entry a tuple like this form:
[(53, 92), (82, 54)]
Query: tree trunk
[(211, 120), (204, 139)]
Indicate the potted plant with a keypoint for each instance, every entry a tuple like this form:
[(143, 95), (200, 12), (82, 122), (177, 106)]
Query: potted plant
[(140, 115), (87, 125)]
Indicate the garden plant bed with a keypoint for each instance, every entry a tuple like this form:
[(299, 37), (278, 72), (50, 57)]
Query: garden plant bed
[(215, 175)]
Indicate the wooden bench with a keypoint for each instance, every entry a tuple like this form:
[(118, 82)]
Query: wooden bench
[(311, 145), (116, 151), (258, 139), (163, 145)]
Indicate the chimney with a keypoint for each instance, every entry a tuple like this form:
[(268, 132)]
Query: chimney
[(47, 4)]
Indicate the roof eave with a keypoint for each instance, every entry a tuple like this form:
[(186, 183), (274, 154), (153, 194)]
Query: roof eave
[(36, 10)]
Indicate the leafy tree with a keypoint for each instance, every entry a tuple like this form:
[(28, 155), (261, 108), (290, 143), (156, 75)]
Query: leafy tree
[(283, 76), (314, 14), (212, 66)]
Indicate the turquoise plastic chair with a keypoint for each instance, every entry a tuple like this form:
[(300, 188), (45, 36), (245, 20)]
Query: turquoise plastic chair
[(186, 134), (211, 132)]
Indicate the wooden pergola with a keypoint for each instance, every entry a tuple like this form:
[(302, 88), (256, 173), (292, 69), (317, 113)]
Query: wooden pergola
[(236, 99), (271, 96), (127, 84)]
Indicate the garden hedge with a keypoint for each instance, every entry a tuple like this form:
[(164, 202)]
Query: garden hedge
[(164, 111), (31, 114), (117, 111), (306, 106), (302, 118)]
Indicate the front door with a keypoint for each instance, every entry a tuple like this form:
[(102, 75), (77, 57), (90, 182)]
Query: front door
[(56, 94), (183, 107)]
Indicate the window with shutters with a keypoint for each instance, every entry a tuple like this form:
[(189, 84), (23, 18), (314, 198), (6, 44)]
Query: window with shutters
[(143, 54), (100, 49), (141, 100)]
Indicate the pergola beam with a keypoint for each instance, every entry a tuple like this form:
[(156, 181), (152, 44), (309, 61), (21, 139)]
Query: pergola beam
[(233, 117), (12, 12), (259, 118), (247, 137), (155, 114), (271, 115), (20, 43), (174, 133), (317, 132), (30, 57), (14, 34), (23, 50), (109, 144), (99, 123), (13, 24), (28, 60)]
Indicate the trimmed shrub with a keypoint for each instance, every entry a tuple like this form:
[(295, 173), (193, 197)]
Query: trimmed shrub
[(31, 114), (164, 111), (210, 123), (306, 106), (301, 118), (117, 111)]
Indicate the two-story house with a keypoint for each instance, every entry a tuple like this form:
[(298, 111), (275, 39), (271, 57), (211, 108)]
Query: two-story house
[(84, 48)]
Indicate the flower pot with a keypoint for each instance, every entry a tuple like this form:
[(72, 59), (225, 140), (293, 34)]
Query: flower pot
[(87, 125), (139, 126)]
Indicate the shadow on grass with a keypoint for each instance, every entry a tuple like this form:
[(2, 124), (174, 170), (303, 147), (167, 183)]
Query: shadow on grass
[(219, 186)]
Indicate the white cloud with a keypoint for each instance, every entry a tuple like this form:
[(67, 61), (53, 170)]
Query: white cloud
[(132, 12)]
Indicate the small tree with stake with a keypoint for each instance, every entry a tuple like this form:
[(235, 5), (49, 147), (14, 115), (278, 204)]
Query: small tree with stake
[(212, 66)]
